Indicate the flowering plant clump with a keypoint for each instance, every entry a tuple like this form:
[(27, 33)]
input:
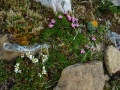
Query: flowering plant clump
[(67, 38), (32, 70), (17, 70), (91, 26), (31, 57), (94, 23)]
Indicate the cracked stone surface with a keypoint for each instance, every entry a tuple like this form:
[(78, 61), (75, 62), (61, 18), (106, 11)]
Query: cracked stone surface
[(88, 76), (112, 59)]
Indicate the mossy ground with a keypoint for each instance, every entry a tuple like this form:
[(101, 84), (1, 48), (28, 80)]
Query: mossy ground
[(26, 22)]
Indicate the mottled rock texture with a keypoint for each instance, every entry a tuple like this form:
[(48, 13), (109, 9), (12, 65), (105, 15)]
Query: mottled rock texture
[(112, 59), (88, 76)]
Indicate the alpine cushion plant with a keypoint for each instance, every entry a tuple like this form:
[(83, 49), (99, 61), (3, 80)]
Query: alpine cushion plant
[(65, 36)]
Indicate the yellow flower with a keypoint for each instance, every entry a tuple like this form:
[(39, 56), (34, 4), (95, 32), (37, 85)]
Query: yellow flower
[(94, 23)]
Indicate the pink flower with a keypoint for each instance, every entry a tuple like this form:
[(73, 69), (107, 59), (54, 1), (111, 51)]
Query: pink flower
[(69, 17), (77, 25), (60, 17), (76, 20), (50, 25), (52, 21), (82, 51), (87, 46), (73, 19), (73, 25), (93, 38), (48, 19), (65, 13)]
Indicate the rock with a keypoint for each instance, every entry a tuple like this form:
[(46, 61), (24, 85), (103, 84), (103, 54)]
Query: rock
[(116, 2), (88, 76), (112, 59), (115, 38), (57, 5), (10, 51)]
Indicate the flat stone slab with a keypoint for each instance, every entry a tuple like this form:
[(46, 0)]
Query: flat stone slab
[(10, 51), (88, 76), (112, 59)]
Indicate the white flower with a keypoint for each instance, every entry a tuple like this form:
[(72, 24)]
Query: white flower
[(17, 65), (22, 55), (44, 60), (45, 57), (28, 54), (17, 70), (30, 57), (34, 60), (39, 74), (44, 70)]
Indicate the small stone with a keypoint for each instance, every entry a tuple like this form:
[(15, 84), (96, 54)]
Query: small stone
[(112, 59), (88, 76)]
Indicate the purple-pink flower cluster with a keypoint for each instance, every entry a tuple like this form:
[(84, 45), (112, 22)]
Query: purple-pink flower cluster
[(93, 39), (52, 22), (73, 20)]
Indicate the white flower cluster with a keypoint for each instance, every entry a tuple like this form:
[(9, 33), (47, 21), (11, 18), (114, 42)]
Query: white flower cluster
[(31, 57), (44, 70), (44, 56), (17, 70)]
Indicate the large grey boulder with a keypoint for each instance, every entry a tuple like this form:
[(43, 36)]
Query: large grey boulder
[(112, 59), (88, 76)]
